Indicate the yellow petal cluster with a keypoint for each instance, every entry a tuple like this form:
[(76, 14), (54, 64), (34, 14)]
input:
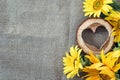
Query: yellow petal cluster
[(72, 63), (116, 35), (96, 7), (104, 68), (114, 19)]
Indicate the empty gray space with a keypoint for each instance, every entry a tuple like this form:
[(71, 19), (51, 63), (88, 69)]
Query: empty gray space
[(34, 35)]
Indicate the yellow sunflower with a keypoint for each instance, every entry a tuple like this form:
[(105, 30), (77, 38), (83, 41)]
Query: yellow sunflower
[(110, 60), (114, 58), (72, 63), (95, 7), (116, 35), (114, 18), (104, 68), (97, 71)]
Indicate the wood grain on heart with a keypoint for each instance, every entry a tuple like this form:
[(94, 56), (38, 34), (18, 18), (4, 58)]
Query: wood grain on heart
[(95, 34)]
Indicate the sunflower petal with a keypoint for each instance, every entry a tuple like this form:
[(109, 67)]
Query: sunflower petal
[(116, 68), (92, 58)]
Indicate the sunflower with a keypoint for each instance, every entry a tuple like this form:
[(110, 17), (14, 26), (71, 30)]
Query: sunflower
[(114, 18), (97, 71), (72, 63), (116, 35), (96, 7), (101, 69), (111, 57), (115, 56), (116, 32)]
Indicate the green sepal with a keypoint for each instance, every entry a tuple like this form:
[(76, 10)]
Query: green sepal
[(117, 46), (85, 61), (102, 16), (117, 74)]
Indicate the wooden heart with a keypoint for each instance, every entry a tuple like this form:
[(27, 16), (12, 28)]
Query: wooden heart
[(95, 34), (97, 38)]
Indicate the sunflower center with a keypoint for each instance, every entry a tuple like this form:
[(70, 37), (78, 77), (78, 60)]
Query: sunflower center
[(98, 4), (74, 63)]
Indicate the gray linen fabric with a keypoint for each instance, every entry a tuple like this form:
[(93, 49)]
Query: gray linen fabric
[(34, 35)]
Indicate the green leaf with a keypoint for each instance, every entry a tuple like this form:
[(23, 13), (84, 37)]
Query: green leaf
[(117, 74), (118, 44), (116, 48), (115, 5), (85, 61), (102, 16)]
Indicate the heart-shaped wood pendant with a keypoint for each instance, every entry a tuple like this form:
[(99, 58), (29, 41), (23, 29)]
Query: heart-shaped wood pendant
[(95, 34)]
